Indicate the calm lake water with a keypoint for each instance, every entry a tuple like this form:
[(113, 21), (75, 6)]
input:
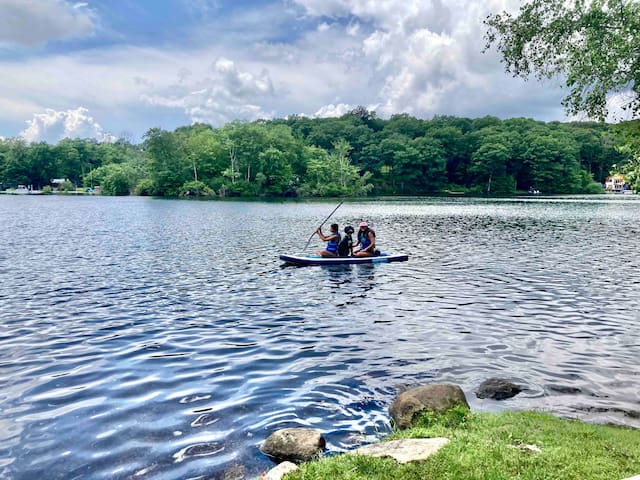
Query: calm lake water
[(163, 339)]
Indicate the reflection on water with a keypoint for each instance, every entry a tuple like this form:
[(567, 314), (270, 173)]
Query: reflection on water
[(163, 339)]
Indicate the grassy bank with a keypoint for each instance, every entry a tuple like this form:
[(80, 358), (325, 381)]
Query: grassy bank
[(510, 445)]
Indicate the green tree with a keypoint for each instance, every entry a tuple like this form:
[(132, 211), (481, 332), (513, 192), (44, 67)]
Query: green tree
[(629, 164), (457, 152), (168, 168), (553, 160), (489, 163), (205, 151), (594, 44), (274, 171), (68, 160), (331, 174), (397, 160), (28, 164), (116, 178)]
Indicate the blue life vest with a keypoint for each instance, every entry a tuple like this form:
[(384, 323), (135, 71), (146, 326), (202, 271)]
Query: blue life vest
[(363, 238), (332, 245)]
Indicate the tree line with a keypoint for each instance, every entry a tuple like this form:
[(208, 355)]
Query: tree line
[(352, 155)]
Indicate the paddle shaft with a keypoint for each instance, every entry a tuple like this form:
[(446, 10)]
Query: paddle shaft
[(325, 221)]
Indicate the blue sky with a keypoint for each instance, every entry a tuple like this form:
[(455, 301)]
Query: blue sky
[(103, 68)]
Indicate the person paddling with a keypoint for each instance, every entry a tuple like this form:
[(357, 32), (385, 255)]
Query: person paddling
[(332, 239), (366, 241)]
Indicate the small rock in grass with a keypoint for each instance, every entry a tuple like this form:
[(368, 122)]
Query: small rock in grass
[(404, 451), (279, 471)]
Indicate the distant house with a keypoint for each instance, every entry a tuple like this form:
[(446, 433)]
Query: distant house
[(56, 183), (615, 183)]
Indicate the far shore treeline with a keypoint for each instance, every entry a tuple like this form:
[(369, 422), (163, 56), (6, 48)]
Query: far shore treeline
[(353, 155)]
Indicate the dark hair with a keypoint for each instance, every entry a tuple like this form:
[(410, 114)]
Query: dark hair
[(348, 230), (334, 226)]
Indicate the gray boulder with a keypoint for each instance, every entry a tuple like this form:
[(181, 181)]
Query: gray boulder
[(404, 451), (437, 397), (294, 445), (497, 389)]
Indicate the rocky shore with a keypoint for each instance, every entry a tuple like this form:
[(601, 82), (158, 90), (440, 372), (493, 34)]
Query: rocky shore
[(436, 406)]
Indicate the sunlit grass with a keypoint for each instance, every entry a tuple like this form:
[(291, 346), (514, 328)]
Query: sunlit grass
[(511, 445)]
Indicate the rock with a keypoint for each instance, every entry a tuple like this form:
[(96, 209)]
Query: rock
[(563, 389), (404, 451), (294, 444), (437, 397), (235, 472), (498, 389), (280, 470), (527, 447)]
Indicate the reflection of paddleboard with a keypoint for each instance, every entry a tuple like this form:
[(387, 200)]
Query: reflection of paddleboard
[(317, 260)]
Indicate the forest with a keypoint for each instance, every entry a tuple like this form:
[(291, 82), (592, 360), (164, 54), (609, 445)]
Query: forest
[(354, 155)]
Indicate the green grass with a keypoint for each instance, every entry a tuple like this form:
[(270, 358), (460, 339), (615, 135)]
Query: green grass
[(492, 447)]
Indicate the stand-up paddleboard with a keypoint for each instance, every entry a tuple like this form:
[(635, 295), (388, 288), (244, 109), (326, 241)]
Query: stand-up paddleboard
[(317, 260)]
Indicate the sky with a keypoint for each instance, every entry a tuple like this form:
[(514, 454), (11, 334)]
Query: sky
[(112, 68)]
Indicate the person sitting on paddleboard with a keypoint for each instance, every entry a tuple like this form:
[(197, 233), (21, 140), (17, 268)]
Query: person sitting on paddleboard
[(366, 241), (332, 239)]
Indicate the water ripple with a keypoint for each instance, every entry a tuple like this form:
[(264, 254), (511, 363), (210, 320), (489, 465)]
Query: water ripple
[(163, 339)]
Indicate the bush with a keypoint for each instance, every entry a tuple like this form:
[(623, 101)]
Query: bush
[(145, 187), (503, 185), (195, 189), (67, 186), (587, 184), (116, 183)]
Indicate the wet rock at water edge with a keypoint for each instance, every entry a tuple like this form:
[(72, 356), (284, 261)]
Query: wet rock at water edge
[(437, 398), (497, 389), (234, 472), (563, 389), (294, 444)]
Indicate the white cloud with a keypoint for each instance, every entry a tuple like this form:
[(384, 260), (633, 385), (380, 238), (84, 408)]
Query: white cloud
[(325, 8), (419, 57), (52, 126), (423, 57), (353, 29), (224, 94), (332, 110), (201, 8), (36, 22)]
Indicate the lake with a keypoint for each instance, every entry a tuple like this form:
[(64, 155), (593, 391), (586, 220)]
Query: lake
[(164, 339)]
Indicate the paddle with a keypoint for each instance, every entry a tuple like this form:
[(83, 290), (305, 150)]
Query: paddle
[(325, 221)]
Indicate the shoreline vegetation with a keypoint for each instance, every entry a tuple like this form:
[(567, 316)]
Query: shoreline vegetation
[(507, 445), (355, 155), (437, 436)]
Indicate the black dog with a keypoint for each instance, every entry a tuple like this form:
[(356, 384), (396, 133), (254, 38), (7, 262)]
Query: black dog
[(345, 247)]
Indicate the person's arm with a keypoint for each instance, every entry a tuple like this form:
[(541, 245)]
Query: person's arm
[(333, 236), (325, 238)]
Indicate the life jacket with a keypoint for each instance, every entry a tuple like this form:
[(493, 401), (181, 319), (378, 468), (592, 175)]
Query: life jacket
[(363, 238), (332, 245)]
